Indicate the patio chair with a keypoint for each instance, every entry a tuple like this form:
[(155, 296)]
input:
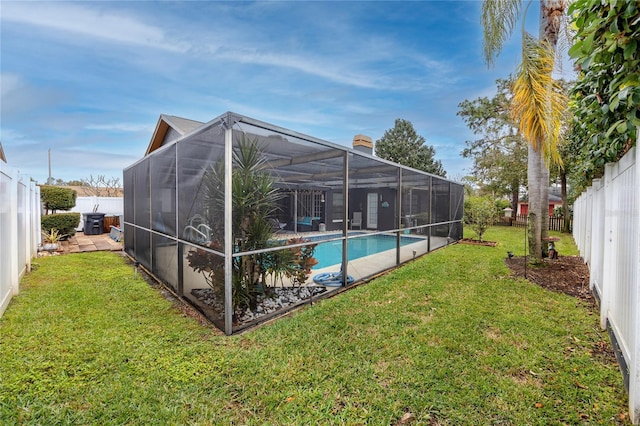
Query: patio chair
[(356, 220), (276, 225)]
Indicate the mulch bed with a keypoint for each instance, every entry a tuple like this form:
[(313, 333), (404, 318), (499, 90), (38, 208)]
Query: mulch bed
[(567, 274), (471, 241)]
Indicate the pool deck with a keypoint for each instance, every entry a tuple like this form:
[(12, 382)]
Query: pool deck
[(373, 264)]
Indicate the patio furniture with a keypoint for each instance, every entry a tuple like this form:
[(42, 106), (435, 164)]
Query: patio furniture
[(357, 220), (307, 223), (276, 225), (115, 233)]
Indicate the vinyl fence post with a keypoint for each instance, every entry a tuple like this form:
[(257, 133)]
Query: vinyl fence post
[(608, 260), (634, 368), (13, 233)]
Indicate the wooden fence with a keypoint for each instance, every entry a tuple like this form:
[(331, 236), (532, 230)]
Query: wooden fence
[(555, 223)]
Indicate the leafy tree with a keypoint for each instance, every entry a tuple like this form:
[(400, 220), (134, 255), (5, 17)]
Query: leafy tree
[(569, 170), (537, 105), (57, 198), (403, 145), (501, 204), (255, 202), (480, 213), (499, 157), (606, 98)]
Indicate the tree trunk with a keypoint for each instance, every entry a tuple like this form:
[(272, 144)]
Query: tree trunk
[(544, 205), (533, 181), (565, 202), (515, 193), (551, 12)]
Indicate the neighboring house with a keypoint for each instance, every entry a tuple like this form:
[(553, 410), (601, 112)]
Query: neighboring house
[(554, 201)]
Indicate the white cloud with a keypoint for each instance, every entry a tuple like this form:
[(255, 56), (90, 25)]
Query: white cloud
[(360, 68), (87, 22), (326, 69), (356, 108), (10, 136), (10, 83), (121, 127), (277, 116), (19, 97)]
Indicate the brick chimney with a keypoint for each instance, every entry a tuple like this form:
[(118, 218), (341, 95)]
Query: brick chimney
[(363, 143)]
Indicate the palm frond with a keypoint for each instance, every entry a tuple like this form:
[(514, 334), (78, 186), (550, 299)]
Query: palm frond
[(499, 17), (539, 103)]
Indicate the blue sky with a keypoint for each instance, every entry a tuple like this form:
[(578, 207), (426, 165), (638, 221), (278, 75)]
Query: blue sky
[(88, 80)]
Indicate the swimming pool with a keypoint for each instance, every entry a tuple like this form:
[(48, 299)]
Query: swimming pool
[(330, 253)]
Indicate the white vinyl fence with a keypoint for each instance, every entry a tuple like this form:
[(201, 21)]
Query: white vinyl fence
[(606, 229), (19, 230)]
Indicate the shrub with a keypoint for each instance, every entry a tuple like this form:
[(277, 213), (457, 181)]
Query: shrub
[(65, 223), (480, 213), (52, 236), (57, 198)]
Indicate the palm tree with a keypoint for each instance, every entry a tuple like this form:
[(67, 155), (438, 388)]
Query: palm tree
[(538, 102), (255, 201)]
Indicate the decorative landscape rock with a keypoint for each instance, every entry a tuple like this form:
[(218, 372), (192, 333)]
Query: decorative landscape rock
[(278, 299)]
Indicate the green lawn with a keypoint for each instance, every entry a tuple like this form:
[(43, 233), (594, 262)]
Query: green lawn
[(450, 338)]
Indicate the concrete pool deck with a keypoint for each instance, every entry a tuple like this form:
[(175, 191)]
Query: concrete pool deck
[(373, 264)]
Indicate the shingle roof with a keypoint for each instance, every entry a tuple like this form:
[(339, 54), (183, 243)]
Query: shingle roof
[(182, 125), (165, 122)]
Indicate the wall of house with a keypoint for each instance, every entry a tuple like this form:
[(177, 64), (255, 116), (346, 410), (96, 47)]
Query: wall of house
[(523, 208), (387, 207)]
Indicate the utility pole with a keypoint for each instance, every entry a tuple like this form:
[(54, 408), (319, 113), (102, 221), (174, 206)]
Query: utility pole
[(50, 180)]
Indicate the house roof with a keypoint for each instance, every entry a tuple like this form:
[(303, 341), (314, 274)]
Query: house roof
[(166, 122), (2, 157), (554, 198)]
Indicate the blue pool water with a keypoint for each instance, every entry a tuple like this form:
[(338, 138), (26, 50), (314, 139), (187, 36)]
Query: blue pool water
[(330, 252)]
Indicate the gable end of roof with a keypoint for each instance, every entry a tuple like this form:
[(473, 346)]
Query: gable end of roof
[(169, 125)]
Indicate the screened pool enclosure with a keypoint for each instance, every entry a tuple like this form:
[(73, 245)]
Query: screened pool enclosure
[(247, 220)]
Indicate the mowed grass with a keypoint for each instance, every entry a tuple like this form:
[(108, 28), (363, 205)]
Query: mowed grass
[(450, 338)]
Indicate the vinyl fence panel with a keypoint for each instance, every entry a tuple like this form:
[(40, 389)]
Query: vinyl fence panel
[(19, 230), (607, 232)]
